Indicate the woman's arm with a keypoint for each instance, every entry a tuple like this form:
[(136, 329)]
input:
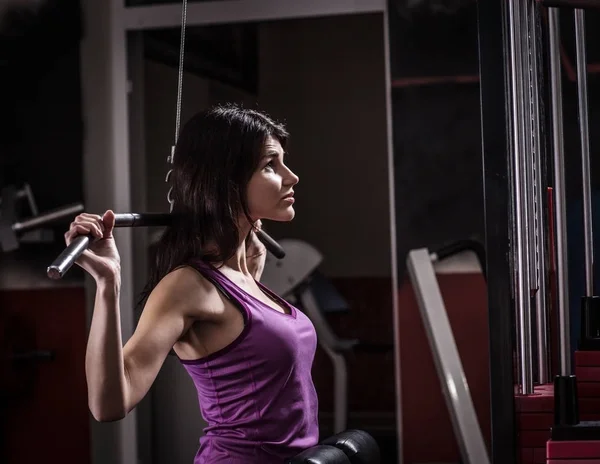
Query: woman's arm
[(119, 377), (104, 355)]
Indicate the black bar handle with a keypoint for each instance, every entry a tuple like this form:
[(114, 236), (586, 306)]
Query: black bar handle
[(143, 220), (67, 258), (271, 244)]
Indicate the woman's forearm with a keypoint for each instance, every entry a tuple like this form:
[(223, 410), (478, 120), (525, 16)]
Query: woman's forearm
[(104, 356)]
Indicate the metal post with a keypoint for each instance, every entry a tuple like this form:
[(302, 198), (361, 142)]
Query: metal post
[(582, 95), (543, 364), (521, 252), (528, 158), (393, 233), (564, 341), (493, 37)]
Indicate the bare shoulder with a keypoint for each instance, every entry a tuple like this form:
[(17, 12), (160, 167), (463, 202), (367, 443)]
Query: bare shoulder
[(185, 291)]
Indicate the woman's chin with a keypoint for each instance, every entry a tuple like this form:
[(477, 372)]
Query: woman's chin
[(283, 216)]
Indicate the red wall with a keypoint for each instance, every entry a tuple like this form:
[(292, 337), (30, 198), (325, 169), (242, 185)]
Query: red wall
[(47, 417)]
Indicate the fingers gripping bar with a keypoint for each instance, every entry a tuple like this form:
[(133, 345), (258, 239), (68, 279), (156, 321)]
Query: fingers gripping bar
[(67, 258)]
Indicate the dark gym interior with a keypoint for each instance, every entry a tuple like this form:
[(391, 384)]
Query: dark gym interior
[(350, 88)]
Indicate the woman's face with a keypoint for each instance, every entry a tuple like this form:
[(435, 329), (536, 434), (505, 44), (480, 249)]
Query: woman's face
[(271, 189)]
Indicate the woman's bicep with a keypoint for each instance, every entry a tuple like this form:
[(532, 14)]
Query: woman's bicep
[(177, 301), (157, 331)]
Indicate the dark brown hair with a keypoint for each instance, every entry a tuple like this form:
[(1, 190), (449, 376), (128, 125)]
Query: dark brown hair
[(217, 153)]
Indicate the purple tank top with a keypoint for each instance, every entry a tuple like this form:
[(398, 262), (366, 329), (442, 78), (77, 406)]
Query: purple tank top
[(257, 394)]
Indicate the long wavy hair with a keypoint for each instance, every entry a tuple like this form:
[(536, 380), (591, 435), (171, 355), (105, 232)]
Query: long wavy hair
[(217, 153)]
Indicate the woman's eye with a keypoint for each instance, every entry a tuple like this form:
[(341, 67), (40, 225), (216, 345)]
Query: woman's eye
[(270, 165)]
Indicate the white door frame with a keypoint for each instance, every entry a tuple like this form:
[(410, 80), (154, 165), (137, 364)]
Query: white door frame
[(107, 157)]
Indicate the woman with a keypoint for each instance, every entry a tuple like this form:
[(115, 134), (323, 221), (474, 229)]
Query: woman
[(248, 351)]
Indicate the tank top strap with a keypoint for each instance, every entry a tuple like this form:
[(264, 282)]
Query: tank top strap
[(224, 285)]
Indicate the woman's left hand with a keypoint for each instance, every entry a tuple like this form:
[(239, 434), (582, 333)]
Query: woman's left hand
[(256, 252)]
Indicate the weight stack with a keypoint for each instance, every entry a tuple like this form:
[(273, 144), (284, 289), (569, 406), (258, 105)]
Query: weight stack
[(587, 360), (580, 444), (587, 371), (572, 440), (535, 416), (573, 452)]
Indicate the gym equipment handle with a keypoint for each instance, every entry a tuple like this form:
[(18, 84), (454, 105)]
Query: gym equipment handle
[(67, 258), (271, 244), (46, 218)]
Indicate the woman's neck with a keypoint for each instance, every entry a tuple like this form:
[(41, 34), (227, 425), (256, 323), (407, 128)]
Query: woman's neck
[(238, 261)]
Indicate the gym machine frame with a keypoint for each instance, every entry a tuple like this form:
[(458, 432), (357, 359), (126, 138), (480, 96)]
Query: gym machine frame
[(508, 76), (494, 116)]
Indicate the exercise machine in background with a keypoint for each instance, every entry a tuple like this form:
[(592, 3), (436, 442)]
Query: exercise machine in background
[(15, 229), (445, 353), (553, 417)]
